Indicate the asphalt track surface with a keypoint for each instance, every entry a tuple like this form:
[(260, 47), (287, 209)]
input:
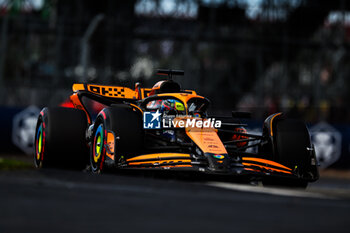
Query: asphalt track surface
[(67, 201)]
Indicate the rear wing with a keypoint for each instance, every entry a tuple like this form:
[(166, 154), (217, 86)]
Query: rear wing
[(116, 92)]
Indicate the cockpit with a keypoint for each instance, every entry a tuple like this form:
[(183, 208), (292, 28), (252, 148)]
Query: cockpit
[(195, 106)]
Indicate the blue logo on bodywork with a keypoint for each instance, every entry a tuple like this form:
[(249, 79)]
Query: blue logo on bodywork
[(151, 120)]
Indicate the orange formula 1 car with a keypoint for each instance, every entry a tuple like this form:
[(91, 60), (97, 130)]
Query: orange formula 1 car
[(168, 128)]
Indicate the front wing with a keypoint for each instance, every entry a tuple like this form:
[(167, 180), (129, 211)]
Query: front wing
[(251, 166)]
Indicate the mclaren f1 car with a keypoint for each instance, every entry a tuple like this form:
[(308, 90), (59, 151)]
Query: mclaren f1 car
[(168, 128)]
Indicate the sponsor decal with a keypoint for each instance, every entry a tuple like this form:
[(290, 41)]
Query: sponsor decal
[(208, 139), (107, 91), (218, 156)]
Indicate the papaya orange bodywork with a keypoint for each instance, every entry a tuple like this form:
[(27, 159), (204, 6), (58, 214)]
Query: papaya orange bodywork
[(266, 162), (264, 167), (78, 105), (159, 156), (160, 162), (277, 114), (110, 144), (207, 140)]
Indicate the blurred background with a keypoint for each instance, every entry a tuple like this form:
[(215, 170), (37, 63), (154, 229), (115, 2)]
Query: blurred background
[(262, 56)]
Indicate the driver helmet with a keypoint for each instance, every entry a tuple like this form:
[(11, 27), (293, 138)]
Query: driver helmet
[(172, 106)]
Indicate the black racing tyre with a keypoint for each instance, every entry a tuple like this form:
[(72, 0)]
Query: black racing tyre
[(292, 140), (126, 124), (291, 143), (60, 139)]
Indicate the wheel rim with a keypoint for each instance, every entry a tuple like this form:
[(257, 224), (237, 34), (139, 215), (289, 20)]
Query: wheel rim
[(40, 142), (98, 145)]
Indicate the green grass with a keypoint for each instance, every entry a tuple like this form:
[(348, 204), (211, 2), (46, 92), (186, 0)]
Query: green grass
[(13, 164)]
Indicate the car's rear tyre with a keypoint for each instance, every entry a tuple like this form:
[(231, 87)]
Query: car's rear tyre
[(291, 143), (126, 125), (60, 139)]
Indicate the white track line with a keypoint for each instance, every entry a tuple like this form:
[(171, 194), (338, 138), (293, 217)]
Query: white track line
[(271, 191)]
